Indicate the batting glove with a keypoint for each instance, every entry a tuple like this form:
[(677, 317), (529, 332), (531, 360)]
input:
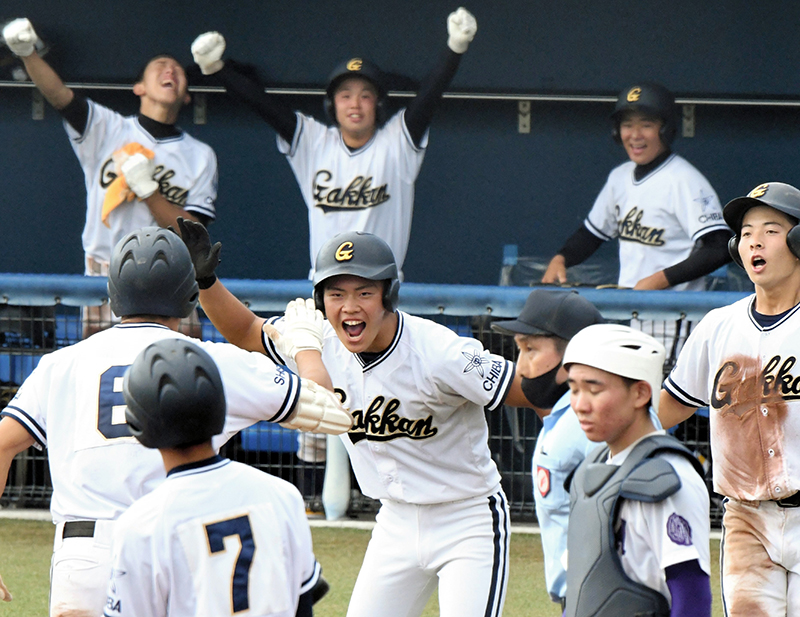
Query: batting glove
[(204, 256), (20, 37), (207, 51), (461, 29), (302, 331), (138, 171)]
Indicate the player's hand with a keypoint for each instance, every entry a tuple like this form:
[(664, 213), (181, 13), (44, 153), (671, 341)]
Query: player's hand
[(303, 330), (138, 171), (5, 594), (204, 256), (20, 37), (207, 51), (556, 271), (461, 29)]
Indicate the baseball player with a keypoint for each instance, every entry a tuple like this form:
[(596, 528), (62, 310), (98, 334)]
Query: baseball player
[(740, 362), (549, 319), (419, 442), (664, 212), (167, 172), (359, 173), (72, 404), (217, 537), (639, 529)]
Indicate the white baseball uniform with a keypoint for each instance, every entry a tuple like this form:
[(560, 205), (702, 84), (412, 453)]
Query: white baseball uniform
[(72, 403), (368, 189), (216, 538), (657, 219), (419, 443), (746, 373), (186, 171)]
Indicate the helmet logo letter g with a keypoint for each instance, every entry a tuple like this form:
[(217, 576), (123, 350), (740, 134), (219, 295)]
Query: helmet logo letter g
[(344, 252), (634, 94)]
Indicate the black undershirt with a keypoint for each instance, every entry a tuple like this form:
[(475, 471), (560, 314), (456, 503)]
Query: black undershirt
[(765, 321), (76, 113)]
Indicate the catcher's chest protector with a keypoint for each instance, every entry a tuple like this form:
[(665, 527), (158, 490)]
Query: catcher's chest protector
[(597, 585)]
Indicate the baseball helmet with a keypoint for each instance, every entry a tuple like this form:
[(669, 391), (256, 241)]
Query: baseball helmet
[(783, 197), (650, 98), (620, 350), (360, 254), (151, 273), (356, 67), (174, 395)]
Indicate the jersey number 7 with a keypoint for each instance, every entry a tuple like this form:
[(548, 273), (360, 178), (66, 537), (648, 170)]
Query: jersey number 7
[(216, 533)]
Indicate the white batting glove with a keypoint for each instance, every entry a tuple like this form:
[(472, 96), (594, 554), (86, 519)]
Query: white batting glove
[(461, 29), (138, 171), (5, 594), (303, 330), (20, 37), (207, 51)]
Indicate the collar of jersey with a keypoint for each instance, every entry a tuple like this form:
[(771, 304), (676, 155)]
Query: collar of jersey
[(386, 352), (159, 131), (206, 464), (141, 324), (351, 151), (784, 316), (657, 166)]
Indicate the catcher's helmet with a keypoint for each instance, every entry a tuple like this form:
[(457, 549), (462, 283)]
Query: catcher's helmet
[(151, 273), (620, 350), (649, 98), (361, 254), (356, 67), (174, 395), (783, 197)]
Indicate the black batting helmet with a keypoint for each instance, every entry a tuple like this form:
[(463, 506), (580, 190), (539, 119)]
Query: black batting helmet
[(783, 197), (356, 67), (151, 273), (360, 254), (174, 395), (649, 98)]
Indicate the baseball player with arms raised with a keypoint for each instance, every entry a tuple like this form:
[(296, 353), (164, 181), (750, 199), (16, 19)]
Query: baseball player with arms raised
[(72, 404), (359, 173), (139, 170), (217, 537), (419, 443), (741, 361), (639, 529)]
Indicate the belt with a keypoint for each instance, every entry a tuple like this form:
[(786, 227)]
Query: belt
[(793, 501), (78, 529)]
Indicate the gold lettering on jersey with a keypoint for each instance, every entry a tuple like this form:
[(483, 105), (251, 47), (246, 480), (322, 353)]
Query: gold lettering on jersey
[(740, 384), (759, 191), (634, 94), (344, 252), (631, 229), (173, 193), (358, 195), (355, 64), (381, 422)]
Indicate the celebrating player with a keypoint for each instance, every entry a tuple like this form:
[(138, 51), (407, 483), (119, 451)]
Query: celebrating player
[(72, 404), (740, 361), (549, 319), (358, 174), (639, 529), (139, 170), (419, 442), (170, 554)]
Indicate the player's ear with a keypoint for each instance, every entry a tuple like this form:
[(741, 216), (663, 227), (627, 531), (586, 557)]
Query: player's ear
[(643, 394), (187, 98), (138, 88)]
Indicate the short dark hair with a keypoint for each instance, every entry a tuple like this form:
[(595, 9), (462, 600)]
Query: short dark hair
[(140, 74)]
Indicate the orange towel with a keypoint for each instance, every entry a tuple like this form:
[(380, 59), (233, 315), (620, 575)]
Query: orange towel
[(118, 191)]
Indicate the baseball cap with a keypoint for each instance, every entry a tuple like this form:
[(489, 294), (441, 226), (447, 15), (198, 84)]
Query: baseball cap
[(552, 312)]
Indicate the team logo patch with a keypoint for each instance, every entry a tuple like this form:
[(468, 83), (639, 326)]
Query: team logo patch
[(344, 252), (355, 64), (759, 191), (679, 530), (476, 362), (543, 480), (634, 94)]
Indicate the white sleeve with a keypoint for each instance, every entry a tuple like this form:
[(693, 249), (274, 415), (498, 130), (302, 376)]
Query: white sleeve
[(697, 207), (100, 123), (202, 196), (602, 218), (28, 407), (688, 380)]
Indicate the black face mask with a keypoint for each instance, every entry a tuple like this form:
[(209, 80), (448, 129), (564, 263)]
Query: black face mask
[(543, 391)]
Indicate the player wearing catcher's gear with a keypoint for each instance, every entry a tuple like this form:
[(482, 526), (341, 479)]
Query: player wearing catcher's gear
[(358, 174), (72, 404), (167, 172), (664, 212), (417, 393), (171, 554), (639, 529), (741, 361)]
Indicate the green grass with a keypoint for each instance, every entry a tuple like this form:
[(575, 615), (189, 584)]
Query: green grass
[(26, 546)]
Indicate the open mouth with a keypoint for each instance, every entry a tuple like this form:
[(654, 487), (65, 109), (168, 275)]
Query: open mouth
[(757, 262), (353, 328)]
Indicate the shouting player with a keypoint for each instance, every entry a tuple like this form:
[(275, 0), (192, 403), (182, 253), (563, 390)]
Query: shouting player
[(741, 362), (72, 404), (171, 554), (358, 174), (167, 172), (419, 443)]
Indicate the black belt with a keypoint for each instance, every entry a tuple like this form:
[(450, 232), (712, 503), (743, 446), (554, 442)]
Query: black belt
[(793, 501), (78, 529)]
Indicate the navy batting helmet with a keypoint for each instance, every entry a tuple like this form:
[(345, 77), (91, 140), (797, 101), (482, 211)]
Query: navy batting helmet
[(783, 197), (356, 67), (649, 98), (151, 273), (360, 254), (174, 395)]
